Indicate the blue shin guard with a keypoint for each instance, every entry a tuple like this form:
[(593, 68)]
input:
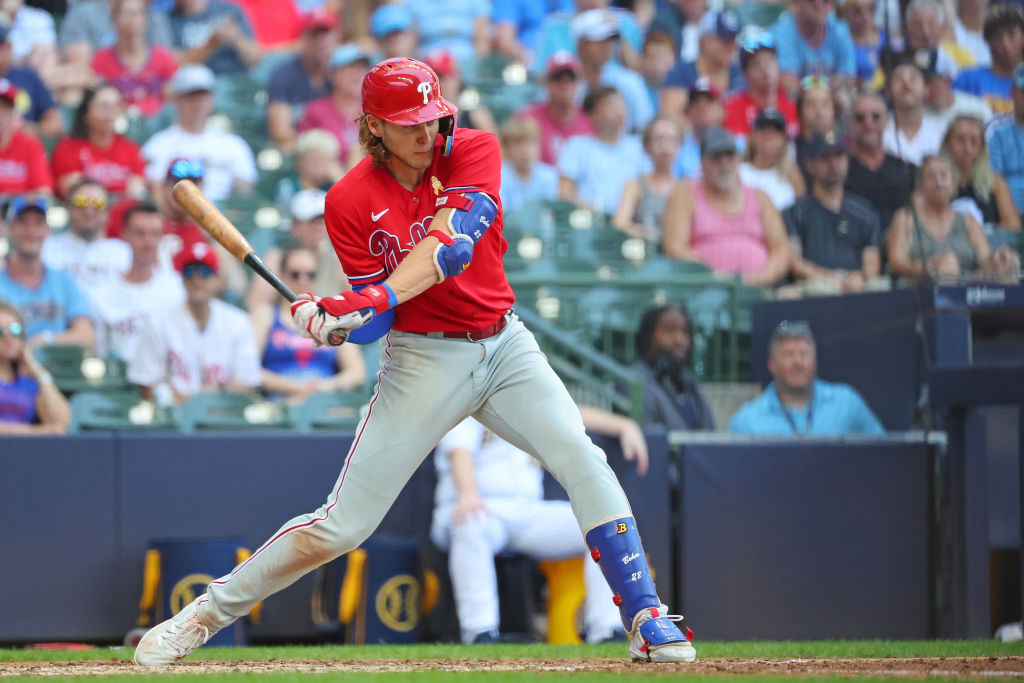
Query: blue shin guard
[(616, 547)]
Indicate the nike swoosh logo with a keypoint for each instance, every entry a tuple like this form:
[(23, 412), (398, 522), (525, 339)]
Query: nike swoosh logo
[(376, 216)]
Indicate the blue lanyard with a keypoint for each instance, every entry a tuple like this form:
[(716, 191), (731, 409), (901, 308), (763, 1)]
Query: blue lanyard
[(789, 418)]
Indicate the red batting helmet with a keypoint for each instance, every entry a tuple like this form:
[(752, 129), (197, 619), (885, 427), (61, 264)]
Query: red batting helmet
[(405, 92)]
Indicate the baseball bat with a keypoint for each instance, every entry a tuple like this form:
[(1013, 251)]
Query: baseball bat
[(194, 202)]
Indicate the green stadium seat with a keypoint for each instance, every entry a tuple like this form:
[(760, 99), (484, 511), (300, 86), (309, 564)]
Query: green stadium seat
[(757, 14), (331, 410), (121, 410), (251, 213), (229, 410), (77, 369)]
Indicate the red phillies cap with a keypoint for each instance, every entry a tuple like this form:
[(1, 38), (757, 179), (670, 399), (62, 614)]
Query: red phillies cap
[(441, 62), (563, 60), (197, 252), (404, 92), (8, 90), (320, 18)]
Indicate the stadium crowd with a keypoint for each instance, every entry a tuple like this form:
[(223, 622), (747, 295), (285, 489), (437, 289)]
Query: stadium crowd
[(806, 148)]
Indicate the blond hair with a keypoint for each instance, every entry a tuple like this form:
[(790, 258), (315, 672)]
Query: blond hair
[(981, 176), (519, 130), (317, 139), (373, 145)]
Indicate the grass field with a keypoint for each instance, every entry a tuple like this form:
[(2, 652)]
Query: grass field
[(733, 661)]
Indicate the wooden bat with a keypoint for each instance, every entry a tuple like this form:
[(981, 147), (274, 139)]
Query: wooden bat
[(194, 202)]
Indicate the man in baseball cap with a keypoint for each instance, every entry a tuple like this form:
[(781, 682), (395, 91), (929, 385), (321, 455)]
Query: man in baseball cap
[(703, 112), (557, 115), (941, 101), (716, 61), (760, 67), (392, 26)]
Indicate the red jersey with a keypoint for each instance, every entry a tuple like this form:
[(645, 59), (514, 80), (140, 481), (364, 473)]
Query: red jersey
[(275, 23), (374, 223), (143, 89), (741, 110), (110, 165), (23, 166)]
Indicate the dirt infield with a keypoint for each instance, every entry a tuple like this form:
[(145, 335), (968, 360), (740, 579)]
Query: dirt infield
[(977, 668)]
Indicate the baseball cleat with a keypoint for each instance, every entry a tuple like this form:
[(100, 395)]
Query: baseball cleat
[(655, 638), (169, 642)]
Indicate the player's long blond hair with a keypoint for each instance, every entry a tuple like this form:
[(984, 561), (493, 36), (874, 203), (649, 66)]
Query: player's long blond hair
[(373, 145)]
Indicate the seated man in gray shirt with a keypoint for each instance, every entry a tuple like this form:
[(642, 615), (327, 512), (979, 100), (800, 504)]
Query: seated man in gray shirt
[(835, 235)]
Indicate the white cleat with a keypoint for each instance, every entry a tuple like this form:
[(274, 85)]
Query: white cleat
[(169, 642), (655, 638)]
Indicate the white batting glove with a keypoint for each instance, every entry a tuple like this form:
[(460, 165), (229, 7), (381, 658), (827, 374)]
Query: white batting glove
[(312, 321)]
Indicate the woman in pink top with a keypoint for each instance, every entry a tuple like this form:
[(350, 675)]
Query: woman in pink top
[(338, 112), (724, 225)]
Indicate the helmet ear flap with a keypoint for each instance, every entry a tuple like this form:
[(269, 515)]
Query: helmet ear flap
[(446, 125)]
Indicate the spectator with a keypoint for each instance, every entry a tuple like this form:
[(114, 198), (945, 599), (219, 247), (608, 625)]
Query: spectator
[(722, 224), (557, 34), (767, 162), (308, 230), (836, 235), (1004, 33), (23, 165), (316, 166), (120, 304), (642, 206), (796, 402), (200, 346), (664, 342), (36, 105), (338, 112), (811, 41), (559, 117), (392, 26), (930, 239), (1006, 143), (88, 26), (715, 61), (517, 25), (703, 112), (32, 33), (95, 150), (215, 33), (596, 33), (761, 74), (968, 24), (681, 20), (884, 180), (941, 101), (656, 61), (595, 168), (139, 70), (924, 24), (867, 39), (472, 114), (912, 133), (230, 167), (524, 178), (277, 24), (462, 27), (82, 249), (816, 109), (54, 311), (301, 79), (30, 403), (489, 500), (983, 192), (293, 366)]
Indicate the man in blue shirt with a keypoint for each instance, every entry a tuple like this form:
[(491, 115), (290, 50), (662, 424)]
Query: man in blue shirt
[(796, 402), (1006, 142), (1004, 33), (54, 310), (216, 33), (809, 40)]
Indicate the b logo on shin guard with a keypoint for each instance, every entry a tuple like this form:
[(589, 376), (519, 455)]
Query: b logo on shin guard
[(621, 528)]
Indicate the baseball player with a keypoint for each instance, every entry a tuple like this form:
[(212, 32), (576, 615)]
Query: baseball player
[(417, 227)]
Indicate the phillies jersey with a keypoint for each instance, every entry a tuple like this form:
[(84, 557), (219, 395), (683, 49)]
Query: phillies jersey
[(374, 222)]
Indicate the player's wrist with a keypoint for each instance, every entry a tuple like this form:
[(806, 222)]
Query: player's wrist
[(381, 296)]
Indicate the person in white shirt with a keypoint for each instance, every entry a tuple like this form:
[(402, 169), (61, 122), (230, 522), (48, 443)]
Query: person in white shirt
[(941, 101), (119, 306), (82, 249), (489, 500), (228, 160), (912, 133), (202, 345)]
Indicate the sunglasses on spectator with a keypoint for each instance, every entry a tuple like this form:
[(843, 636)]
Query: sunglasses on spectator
[(82, 201), (14, 329), (185, 169), (813, 81), (296, 274), (861, 116), (200, 269), (762, 41)]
